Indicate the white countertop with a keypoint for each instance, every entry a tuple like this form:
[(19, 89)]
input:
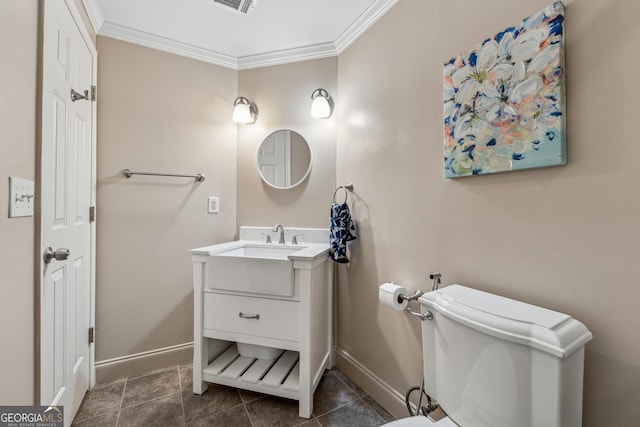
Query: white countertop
[(308, 251)]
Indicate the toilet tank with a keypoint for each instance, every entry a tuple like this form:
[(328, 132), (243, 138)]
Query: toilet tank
[(496, 362)]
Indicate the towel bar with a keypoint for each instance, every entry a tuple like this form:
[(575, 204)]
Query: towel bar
[(128, 173)]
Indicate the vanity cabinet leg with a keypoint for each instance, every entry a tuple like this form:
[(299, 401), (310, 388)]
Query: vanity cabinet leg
[(200, 387), (200, 358), (200, 343), (305, 392), (305, 404)]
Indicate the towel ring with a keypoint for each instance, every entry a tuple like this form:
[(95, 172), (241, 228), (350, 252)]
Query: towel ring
[(346, 188)]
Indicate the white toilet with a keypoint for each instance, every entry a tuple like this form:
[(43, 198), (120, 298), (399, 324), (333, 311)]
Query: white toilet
[(491, 361)]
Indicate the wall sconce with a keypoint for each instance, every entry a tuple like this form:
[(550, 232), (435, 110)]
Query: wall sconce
[(244, 111), (322, 105)]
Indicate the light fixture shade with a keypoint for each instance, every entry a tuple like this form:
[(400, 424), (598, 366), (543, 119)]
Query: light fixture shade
[(244, 111), (322, 105)]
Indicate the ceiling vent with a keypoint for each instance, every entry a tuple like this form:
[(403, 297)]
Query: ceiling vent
[(240, 5)]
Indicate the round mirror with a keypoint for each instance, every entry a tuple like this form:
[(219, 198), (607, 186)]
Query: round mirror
[(284, 159)]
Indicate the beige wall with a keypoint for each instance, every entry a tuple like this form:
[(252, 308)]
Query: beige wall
[(18, 44), (157, 112), (564, 238), (161, 112), (283, 96)]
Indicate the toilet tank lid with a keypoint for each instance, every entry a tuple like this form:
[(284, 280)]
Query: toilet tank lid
[(547, 330)]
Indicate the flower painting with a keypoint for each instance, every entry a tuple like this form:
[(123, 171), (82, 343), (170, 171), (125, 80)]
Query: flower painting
[(504, 100)]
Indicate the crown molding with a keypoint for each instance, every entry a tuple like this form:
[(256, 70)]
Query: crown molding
[(96, 17), (285, 56), (363, 23), (153, 41), (304, 53)]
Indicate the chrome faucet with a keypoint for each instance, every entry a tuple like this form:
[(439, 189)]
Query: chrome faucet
[(275, 228)]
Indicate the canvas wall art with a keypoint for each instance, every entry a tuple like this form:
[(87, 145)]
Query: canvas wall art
[(504, 106)]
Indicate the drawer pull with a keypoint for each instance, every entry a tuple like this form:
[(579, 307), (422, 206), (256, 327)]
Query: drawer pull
[(249, 316)]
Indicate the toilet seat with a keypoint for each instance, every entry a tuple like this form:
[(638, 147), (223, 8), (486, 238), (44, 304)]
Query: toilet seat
[(421, 421)]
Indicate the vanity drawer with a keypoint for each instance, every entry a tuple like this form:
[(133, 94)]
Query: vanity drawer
[(278, 319)]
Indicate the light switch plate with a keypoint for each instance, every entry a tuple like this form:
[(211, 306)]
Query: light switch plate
[(214, 205), (21, 197)]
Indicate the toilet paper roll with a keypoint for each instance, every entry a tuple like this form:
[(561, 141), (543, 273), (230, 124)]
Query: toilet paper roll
[(389, 293)]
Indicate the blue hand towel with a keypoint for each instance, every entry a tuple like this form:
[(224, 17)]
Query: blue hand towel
[(341, 231)]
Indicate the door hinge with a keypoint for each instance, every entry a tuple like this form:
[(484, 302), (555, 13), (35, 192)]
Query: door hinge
[(92, 213), (93, 93), (91, 337)]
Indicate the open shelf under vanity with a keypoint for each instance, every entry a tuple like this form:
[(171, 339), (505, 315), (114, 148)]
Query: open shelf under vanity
[(278, 377)]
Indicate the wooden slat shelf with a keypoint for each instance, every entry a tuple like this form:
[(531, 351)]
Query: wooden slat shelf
[(231, 368)]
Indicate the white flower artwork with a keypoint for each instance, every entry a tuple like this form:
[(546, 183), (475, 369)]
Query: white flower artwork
[(504, 100)]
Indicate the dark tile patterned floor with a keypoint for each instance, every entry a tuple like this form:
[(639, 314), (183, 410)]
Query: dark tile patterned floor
[(165, 398)]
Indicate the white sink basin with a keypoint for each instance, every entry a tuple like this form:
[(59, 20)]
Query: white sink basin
[(252, 267)]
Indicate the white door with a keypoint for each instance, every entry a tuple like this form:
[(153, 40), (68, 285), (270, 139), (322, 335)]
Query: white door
[(66, 193), (275, 157)]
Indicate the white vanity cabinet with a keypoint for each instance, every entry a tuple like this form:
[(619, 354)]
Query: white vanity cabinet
[(295, 329)]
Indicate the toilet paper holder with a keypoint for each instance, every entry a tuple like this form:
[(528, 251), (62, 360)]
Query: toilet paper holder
[(427, 315), (417, 294)]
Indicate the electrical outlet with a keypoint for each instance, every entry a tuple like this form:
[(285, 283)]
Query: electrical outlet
[(214, 205), (21, 197)]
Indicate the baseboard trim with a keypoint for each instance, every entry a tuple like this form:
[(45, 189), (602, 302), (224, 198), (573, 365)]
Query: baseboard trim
[(139, 363), (390, 399)]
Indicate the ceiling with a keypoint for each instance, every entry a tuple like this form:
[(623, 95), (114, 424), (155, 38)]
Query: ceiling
[(272, 32)]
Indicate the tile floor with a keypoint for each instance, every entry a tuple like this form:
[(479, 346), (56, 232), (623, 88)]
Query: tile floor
[(165, 398)]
